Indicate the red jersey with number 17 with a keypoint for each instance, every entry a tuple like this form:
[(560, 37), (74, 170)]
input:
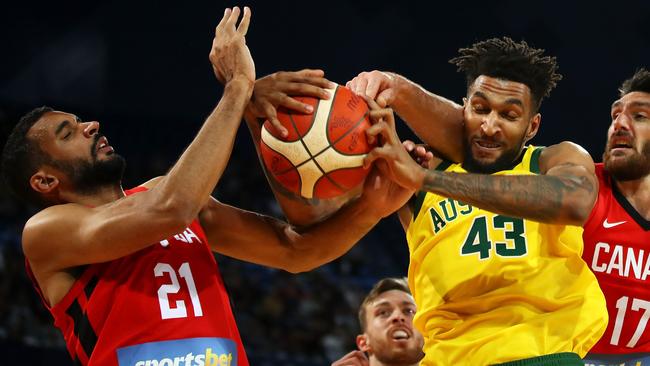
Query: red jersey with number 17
[(163, 305), (617, 248)]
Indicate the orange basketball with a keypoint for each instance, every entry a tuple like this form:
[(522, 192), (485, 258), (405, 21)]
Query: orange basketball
[(323, 154)]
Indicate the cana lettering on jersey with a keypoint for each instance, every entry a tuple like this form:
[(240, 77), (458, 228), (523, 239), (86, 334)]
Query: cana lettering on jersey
[(183, 352), (617, 259)]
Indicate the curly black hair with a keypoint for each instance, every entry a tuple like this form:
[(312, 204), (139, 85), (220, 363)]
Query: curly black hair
[(21, 157), (640, 81), (506, 59)]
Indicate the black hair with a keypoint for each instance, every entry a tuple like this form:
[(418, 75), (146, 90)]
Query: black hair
[(506, 59), (22, 156), (640, 81)]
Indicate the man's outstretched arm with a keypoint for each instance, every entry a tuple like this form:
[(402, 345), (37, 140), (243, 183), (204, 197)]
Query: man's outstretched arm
[(437, 121), (564, 193), (267, 241), (69, 235)]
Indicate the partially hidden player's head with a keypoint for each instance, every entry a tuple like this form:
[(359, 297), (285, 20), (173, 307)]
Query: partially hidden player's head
[(627, 152), (386, 320), (51, 157), (506, 82)]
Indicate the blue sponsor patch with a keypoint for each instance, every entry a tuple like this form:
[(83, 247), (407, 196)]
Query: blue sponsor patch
[(182, 352)]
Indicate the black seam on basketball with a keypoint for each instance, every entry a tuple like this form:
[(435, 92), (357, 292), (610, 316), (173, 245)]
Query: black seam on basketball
[(342, 137), (300, 136), (280, 153), (326, 176), (311, 125)]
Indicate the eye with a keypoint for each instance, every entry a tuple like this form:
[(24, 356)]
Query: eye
[(67, 134), (409, 311), (510, 116), (640, 116), (383, 313), (480, 109), (615, 115)]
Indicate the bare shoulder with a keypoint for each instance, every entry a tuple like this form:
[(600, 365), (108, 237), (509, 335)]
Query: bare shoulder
[(47, 225), (564, 153)]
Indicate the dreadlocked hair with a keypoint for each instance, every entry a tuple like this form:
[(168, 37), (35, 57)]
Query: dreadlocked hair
[(506, 59), (640, 81)]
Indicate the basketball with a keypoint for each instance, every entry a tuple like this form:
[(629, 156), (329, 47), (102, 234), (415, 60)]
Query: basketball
[(322, 156)]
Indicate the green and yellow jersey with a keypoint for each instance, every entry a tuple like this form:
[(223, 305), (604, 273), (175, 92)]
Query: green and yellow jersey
[(492, 288)]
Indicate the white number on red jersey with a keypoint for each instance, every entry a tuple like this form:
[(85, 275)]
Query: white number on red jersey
[(179, 310)]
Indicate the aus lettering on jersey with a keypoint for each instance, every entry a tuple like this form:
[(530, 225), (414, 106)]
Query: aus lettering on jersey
[(617, 259), (187, 236), (447, 210)]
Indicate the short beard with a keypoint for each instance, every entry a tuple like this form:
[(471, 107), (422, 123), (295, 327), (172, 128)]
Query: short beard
[(90, 177), (634, 167), (503, 162)]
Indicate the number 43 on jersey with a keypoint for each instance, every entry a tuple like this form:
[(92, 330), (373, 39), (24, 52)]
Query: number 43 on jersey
[(479, 241)]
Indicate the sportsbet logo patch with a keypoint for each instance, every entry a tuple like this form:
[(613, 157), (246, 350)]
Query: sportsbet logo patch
[(183, 352)]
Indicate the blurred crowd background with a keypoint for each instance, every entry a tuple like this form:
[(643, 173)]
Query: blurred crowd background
[(141, 69)]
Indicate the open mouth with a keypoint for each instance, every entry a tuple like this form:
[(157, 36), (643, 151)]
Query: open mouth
[(620, 144), (103, 146), (400, 334)]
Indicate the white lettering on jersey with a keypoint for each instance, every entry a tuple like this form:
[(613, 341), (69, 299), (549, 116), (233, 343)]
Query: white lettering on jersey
[(187, 236), (622, 261)]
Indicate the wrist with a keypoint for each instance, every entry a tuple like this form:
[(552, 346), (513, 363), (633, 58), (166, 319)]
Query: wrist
[(400, 89), (367, 209), (420, 176), (241, 83)]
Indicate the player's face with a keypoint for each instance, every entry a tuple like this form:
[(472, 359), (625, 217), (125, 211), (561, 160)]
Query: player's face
[(78, 150), (627, 153), (389, 333), (498, 122)]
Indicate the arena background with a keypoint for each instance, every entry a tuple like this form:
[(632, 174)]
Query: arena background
[(141, 69)]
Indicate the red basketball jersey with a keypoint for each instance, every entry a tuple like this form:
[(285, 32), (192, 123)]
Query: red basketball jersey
[(617, 248), (163, 305)]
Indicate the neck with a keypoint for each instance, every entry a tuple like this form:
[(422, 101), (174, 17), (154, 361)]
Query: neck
[(637, 192), (97, 197)]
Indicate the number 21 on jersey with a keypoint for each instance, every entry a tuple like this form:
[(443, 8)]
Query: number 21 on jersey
[(179, 310)]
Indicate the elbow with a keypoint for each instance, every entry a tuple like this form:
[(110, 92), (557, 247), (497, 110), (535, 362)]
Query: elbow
[(579, 209), (296, 262), (176, 214)]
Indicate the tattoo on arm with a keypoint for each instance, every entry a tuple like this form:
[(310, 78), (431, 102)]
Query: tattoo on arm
[(541, 198)]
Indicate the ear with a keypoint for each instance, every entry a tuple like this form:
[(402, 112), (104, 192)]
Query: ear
[(363, 343), (533, 127), (43, 182)]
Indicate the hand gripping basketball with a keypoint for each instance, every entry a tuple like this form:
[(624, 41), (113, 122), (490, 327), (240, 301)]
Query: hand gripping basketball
[(322, 154)]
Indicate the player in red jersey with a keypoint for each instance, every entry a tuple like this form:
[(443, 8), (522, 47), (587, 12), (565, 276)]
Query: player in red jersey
[(617, 233), (129, 275)]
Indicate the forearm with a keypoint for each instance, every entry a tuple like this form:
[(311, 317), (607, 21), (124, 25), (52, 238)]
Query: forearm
[(195, 174), (323, 242), (543, 198), (435, 120)]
